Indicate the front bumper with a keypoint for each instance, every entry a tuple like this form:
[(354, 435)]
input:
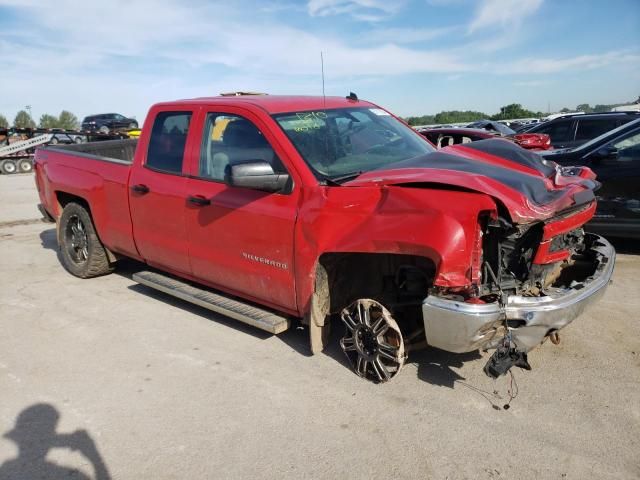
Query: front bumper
[(463, 327)]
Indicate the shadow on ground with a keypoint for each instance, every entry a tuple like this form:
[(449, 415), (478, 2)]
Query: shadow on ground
[(434, 366), (35, 435), (48, 239)]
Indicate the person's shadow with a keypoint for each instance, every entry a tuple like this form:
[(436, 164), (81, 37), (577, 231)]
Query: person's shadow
[(35, 434)]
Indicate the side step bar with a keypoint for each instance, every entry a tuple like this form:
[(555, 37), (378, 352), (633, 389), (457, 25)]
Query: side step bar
[(255, 316)]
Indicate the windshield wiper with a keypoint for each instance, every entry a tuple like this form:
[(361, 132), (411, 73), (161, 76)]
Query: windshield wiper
[(340, 179)]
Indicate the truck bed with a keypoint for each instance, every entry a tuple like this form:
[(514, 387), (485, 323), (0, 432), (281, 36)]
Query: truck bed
[(97, 173), (119, 151)]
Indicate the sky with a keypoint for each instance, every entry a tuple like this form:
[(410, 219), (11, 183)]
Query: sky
[(413, 57)]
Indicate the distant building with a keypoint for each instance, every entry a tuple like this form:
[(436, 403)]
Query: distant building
[(634, 107)]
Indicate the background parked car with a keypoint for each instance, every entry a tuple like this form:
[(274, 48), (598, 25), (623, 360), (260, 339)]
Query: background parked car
[(615, 158), (60, 136), (106, 122), (574, 130), (443, 137)]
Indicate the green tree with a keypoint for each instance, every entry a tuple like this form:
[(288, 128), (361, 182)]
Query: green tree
[(48, 121), (23, 120), (458, 116), (513, 110), (4, 123), (602, 108), (422, 120), (584, 107), (68, 120)]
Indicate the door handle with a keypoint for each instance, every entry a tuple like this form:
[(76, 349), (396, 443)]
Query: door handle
[(140, 188), (198, 200)]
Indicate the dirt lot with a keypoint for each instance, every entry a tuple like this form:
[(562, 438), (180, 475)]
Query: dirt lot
[(107, 374)]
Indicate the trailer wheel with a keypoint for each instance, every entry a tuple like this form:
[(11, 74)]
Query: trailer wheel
[(25, 165), (8, 167), (81, 251), (372, 341)]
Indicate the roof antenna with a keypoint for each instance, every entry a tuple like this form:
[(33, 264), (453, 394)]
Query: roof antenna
[(324, 108), (324, 98)]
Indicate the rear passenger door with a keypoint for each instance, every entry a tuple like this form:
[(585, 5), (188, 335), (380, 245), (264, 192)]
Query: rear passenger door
[(240, 239), (562, 132), (157, 194), (590, 128)]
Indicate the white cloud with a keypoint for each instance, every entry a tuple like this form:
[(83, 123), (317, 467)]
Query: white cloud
[(407, 35), (578, 63), (503, 13), (532, 83), (365, 10)]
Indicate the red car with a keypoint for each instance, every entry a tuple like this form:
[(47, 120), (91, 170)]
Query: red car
[(443, 137), (278, 210)]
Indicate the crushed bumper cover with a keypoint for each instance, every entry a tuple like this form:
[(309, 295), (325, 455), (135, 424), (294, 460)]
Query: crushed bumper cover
[(463, 327)]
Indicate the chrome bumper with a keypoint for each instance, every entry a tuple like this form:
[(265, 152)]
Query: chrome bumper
[(463, 327)]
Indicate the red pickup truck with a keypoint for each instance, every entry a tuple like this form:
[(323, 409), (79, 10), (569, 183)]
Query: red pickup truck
[(281, 209)]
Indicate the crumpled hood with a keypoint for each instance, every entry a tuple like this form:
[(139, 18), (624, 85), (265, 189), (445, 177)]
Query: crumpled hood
[(528, 186)]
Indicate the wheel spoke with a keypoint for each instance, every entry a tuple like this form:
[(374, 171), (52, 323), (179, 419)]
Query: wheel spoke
[(361, 366), (85, 252), (380, 326), (348, 344), (348, 321), (381, 371), (387, 351), (365, 317)]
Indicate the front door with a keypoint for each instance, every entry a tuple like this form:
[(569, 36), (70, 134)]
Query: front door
[(157, 194), (240, 240), (617, 166)]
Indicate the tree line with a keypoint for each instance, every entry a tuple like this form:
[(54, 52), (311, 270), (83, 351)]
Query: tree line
[(66, 120), (508, 112)]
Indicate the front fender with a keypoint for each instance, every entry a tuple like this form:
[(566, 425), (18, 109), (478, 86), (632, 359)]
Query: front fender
[(438, 224)]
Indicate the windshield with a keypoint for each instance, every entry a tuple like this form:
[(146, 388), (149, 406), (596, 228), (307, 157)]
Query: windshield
[(495, 126), (346, 141)]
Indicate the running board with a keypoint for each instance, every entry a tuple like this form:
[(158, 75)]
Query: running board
[(257, 317)]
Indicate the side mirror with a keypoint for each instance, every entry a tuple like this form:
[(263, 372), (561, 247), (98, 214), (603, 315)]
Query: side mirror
[(606, 152), (256, 174)]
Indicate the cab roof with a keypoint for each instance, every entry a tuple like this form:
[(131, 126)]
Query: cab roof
[(277, 103)]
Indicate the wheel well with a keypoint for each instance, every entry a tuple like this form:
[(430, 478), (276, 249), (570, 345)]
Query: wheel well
[(64, 198), (396, 280)]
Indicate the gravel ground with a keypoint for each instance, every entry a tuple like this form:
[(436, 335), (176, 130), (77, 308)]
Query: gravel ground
[(104, 378)]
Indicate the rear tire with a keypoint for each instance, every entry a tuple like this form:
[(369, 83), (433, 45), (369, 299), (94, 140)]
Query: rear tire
[(25, 165), (81, 251), (8, 167)]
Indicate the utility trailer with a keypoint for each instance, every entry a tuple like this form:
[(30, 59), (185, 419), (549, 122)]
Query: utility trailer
[(17, 145)]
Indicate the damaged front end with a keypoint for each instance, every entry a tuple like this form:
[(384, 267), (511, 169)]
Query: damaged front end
[(533, 280)]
